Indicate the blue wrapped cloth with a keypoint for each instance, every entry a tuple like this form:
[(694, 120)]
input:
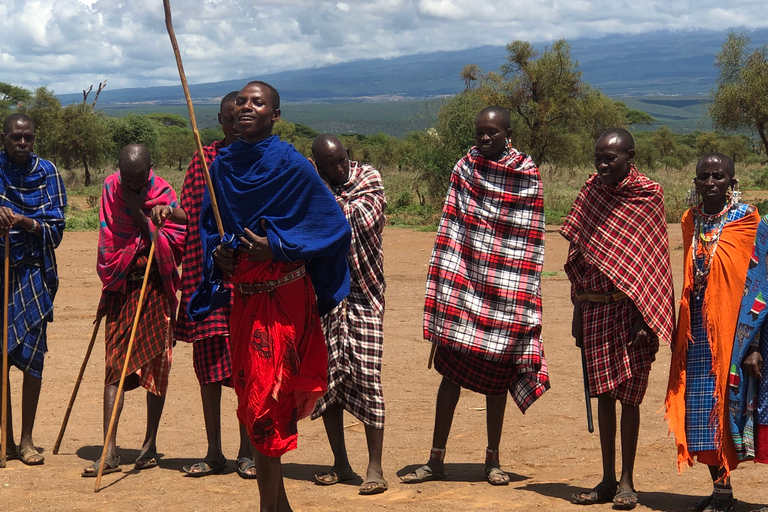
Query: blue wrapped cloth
[(272, 182), (35, 191), (748, 398)]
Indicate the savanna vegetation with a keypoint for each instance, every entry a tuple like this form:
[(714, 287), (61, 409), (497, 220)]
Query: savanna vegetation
[(556, 117)]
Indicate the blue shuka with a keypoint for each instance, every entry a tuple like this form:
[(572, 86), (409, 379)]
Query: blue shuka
[(35, 191), (748, 396), (270, 181)]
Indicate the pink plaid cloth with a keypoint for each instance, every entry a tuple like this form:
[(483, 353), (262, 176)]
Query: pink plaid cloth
[(120, 239)]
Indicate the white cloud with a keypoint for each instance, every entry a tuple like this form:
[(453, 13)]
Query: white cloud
[(69, 44)]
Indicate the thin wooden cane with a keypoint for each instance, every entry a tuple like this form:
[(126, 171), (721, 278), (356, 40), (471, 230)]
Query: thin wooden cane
[(4, 421), (97, 323), (431, 355), (193, 122), (590, 424), (128, 351)]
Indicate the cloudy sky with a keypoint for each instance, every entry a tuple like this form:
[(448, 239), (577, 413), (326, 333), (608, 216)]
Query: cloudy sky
[(67, 45)]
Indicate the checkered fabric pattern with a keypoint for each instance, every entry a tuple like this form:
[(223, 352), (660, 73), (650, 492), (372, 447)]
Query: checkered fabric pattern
[(700, 384), (484, 281), (354, 330), (217, 323), (612, 366), (152, 348), (212, 361), (37, 192), (474, 373), (622, 230)]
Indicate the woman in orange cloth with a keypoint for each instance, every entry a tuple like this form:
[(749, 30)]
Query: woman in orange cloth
[(718, 235)]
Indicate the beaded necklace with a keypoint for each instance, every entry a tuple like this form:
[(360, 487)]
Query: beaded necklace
[(708, 241)]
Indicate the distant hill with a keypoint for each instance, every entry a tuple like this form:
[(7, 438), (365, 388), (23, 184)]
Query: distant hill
[(657, 63)]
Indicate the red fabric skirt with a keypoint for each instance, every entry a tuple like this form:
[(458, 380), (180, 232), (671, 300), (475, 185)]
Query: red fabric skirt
[(279, 358), (761, 443)]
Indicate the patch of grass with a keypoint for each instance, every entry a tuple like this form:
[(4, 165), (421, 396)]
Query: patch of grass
[(552, 273), (81, 219)]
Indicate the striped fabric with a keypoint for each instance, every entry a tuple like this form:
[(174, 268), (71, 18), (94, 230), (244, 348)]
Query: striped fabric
[(37, 192), (700, 431), (484, 281), (622, 231), (612, 366), (217, 323), (354, 330)]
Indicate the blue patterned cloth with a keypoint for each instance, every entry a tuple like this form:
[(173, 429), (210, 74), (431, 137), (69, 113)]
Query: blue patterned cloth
[(748, 396), (37, 192), (700, 431)]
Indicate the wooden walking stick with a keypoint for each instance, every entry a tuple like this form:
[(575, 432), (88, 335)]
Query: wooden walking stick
[(111, 429), (97, 323), (6, 278), (590, 425), (193, 122), (431, 355)]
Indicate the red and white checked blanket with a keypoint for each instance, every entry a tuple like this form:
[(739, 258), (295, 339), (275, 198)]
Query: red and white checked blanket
[(622, 230), (484, 282)]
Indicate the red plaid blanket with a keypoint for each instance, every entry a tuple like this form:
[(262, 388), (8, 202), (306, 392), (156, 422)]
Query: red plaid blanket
[(217, 323), (622, 231), (484, 281)]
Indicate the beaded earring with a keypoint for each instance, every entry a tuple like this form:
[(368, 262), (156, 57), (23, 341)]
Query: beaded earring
[(735, 194), (693, 195)]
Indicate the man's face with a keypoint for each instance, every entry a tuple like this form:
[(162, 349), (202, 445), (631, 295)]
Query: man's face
[(333, 164), (18, 142), (490, 135), (227, 122), (133, 176), (254, 115), (612, 159)]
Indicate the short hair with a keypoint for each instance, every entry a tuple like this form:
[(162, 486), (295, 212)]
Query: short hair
[(14, 118), (497, 111), (322, 141), (272, 91), (730, 167), (622, 134), (229, 98), (134, 154)]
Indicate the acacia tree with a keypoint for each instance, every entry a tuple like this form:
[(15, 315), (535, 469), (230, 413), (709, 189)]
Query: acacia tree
[(82, 138), (741, 98), (45, 110), (10, 97)]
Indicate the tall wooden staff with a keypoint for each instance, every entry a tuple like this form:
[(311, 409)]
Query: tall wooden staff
[(97, 323), (587, 397), (111, 429), (200, 154), (6, 278)]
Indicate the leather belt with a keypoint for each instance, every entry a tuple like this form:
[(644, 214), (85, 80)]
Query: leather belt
[(268, 286), (138, 274), (602, 298)]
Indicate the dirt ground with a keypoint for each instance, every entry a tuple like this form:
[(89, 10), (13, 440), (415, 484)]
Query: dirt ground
[(548, 451)]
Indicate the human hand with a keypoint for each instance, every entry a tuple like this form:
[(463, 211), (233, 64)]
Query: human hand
[(160, 214), (134, 201), (640, 332), (256, 247), (226, 259), (753, 363)]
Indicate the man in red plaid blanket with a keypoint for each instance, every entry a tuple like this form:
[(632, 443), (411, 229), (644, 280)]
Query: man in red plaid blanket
[(210, 338), (354, 330), (483, 301), (124, 242), (621, 287)]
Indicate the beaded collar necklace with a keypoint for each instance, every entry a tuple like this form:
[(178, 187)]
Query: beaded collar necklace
[(708, 242)]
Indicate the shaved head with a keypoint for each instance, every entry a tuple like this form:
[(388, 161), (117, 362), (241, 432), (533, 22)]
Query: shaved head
[(619, 137), (16, 118), (331, 159), (496, 112), (725, 162), (134, 163)]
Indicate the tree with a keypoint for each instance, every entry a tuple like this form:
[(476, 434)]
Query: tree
[(544, 89), (470, 74), (133, 129), (176, 145), (167, 119), (45, 110), (10, 97), (82, 138), (741, 99)]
